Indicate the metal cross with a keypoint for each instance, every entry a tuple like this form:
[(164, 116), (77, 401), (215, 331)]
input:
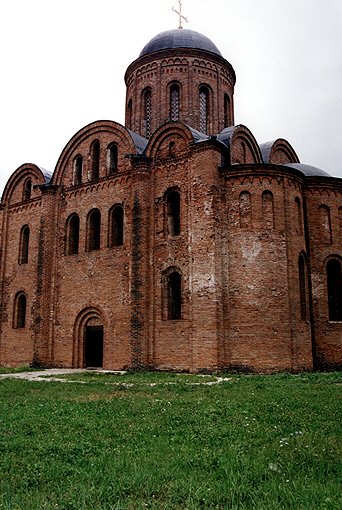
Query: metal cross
[(179, 12)]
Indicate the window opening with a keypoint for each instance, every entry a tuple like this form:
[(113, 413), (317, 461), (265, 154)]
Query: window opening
[(94, 230), (173, 213), (78, 168), (73, 235), (147, 112), (174, 296), (204, 109), (172, 149), (20, 311), (226, 111), (113, 158), (117, 226), (174, 102), (24, 244), (95, 167), (334, 281), (27, 189)]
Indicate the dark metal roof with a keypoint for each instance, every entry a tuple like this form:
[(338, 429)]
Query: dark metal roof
[(179, 38), (226, 135), (139, 141), (308, 170), (198, 136), (265, 149), (47, 174)]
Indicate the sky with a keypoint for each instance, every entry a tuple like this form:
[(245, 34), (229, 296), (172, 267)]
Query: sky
[(62, 66)]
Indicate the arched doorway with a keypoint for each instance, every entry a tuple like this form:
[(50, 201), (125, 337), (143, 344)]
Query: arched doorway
[(89, 339), (93, 346)]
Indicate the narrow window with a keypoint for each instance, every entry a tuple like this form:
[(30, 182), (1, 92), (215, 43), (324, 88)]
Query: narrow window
[(94, 230), (112, 158), (147, 113), (174, 296), (73, 234), (27, 190), (299, 217), (334, 281), (95, 160), (302, 286), (24, 244), (19, 314), (243, 152), (203, 109), (226, 106), (116, 225), (174, 102), (325, 224), (173, 213), (172, 149), (267, 210), (78, 169), (340, 222), (245, 209), (129, 114)]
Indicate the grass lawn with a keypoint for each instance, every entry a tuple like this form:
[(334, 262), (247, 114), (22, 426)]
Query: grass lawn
[(167, 441)]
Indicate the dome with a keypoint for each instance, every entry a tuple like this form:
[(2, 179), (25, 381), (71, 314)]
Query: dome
[(179, 38), (308, 170)]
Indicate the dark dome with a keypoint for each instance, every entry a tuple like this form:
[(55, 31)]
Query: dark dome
[(179, 38), (308, 170)]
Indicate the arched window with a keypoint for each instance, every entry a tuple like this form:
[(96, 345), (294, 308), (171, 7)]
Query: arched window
[(203, 109), (129, 114), (245, 209), (116, 226), (174, 102), (302, 286), (325, 224), (27, 189), (334, 282), (73, 234), (19, 312), (147, 104), (93, 230), (95, 160), (174, 296), (226, 105), (173, 212), (78, 170), (267, 210), (299, 216), (24, 244), (112, 158)]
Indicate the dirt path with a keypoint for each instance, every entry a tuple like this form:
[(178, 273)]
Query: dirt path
[(52, 373)]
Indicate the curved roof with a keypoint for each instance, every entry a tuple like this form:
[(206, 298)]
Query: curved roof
[(179, 38), (308, 170)]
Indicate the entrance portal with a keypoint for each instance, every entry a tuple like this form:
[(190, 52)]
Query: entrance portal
[(93, 346)]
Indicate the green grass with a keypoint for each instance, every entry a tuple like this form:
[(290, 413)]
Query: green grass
[(16, 370), (253, 442)]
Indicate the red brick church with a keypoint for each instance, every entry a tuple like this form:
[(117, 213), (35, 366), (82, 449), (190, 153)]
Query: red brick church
[(176, 241)]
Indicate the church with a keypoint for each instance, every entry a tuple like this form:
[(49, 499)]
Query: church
[(176, 241)]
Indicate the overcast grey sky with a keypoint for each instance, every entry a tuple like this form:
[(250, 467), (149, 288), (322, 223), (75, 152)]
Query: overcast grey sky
[(63, 63)]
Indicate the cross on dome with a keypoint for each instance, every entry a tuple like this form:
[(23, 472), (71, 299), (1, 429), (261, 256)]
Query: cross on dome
[(179, 12)]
